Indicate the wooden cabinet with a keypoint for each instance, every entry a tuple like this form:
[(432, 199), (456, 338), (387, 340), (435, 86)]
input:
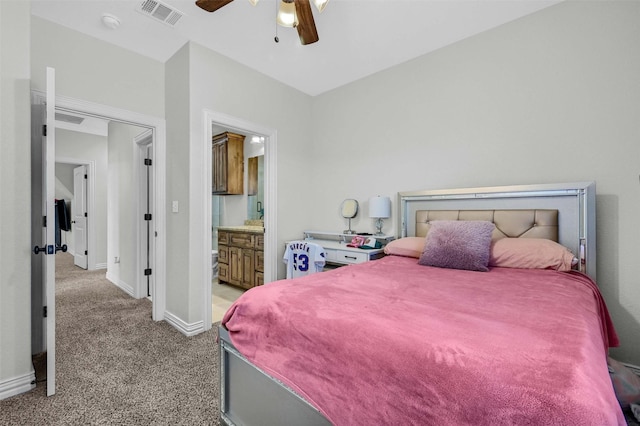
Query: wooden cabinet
[(240, 258), (228, 164), (258, 261)]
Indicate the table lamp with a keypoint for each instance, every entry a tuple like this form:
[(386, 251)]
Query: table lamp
[(379, 208)]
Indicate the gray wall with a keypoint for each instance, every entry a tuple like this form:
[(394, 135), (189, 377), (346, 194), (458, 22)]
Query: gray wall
[(121, 205), (15, 181), (64, 173), (552, 97), (95, 71), (222, 85), (219, 84), (178, 272)]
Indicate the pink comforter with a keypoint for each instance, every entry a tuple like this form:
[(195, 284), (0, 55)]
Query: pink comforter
[(392, 342)]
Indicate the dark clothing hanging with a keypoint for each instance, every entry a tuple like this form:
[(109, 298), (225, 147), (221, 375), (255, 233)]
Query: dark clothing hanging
[(63, 221)]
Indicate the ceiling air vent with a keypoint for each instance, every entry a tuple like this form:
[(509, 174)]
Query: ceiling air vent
[(69, 118), (160, 12)]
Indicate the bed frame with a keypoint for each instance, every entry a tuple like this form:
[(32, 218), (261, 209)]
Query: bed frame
[(249, 396)]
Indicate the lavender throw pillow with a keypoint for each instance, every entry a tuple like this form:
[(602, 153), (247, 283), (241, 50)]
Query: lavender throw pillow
[(458, 244)]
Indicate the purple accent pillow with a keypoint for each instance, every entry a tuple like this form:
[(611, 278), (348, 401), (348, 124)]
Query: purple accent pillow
[(458, 244)]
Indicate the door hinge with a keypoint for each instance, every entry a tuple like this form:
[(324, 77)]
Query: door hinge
[(147, 272), (85, 214), (147, 161), (44, 311), (86, 252), (85, 175), (44, 130), (44, 221), (147, 216)]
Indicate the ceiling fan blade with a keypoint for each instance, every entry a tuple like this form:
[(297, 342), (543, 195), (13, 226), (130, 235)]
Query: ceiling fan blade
[(212, 5), (306, 25)]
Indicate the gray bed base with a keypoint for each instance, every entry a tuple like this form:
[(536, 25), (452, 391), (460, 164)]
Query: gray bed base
[(250, 397)]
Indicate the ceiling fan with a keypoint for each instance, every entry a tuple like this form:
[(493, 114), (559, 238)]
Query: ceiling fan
[(291, 13)]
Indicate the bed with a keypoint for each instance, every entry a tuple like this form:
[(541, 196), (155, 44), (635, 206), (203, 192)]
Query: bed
[(406, 340)]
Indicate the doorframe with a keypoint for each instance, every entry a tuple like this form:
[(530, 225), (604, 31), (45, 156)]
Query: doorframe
[(158, 128), (91, 200), (140, 144), (239, 125)]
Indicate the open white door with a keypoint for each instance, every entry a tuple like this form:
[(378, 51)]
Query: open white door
[(79, 216), (49, 177)]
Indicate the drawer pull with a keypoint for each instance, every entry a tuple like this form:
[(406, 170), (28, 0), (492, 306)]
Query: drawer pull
[(350, 257)]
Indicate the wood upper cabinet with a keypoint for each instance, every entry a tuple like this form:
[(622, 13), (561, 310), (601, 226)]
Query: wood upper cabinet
[(228, 164)]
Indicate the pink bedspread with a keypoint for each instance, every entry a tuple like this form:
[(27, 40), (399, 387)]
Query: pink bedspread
[(392, 342)]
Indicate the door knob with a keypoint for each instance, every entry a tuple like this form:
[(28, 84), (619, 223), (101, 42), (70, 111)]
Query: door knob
[(37, 250)]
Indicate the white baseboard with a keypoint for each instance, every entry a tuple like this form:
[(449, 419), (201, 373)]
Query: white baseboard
[(17, 385), (633, 368), (183, 327), (101, 265), (120, 284)]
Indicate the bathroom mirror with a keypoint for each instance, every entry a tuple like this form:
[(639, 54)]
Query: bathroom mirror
[(349, 210), (255, 187)]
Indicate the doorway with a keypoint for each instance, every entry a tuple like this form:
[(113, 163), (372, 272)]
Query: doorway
[(155, 131), (157, 128), (75, 182), (214, 120)]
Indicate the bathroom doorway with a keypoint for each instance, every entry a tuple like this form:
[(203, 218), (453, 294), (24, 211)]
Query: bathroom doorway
[(221, 210)]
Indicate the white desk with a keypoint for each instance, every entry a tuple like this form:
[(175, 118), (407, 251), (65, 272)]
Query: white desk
[(337, 252)]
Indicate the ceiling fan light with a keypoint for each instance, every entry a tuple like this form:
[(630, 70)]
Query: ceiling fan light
[(254, 2), (320, 4), (287, 14)]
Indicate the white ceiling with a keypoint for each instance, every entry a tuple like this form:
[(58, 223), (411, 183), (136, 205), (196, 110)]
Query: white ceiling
[(357, 37)]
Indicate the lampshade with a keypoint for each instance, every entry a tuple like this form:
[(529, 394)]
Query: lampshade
[(379, 207), (287, 14), (320, 4)]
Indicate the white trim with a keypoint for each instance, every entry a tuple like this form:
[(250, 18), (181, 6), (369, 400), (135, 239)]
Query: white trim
[(17, 385), (270, 201), (158, 125), (120, 284), (184, 327), (140, 143), (91, 208)]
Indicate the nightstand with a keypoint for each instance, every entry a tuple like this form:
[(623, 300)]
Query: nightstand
[(337, 252)]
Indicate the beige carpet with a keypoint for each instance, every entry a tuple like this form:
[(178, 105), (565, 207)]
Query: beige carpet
[(116, 366)]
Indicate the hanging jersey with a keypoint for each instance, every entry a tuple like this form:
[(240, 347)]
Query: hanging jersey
[(303, 258)]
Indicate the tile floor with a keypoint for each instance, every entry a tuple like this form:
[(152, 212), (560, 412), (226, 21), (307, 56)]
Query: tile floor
[(223, 296)]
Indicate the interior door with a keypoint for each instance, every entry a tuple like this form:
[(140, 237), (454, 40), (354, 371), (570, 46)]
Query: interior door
[(49, 178), (79, 213)]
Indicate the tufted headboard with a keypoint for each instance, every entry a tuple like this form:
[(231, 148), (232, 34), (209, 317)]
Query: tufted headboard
[(565, 213), (529, 223)]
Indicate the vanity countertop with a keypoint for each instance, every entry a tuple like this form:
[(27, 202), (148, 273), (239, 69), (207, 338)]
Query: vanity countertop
[(243, 228)]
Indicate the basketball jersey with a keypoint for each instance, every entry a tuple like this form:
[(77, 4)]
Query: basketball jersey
[(303, 258)]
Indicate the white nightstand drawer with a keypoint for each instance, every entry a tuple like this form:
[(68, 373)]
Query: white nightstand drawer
[(344, 256)]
